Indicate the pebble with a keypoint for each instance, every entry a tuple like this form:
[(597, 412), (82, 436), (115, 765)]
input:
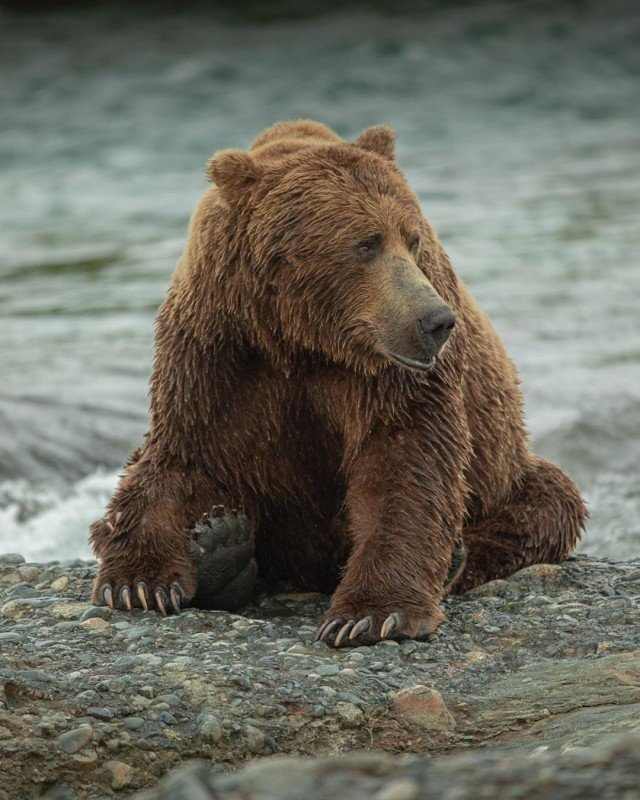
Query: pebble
[(133, 723), (22, 591), (356, 656), (11, 558), (88, 696), (258, 742), (120, 774), (10, 636), (350, 715), (424, 707), (325, 670), (400, 789), (100, 713), (100, 612), (95, 624), (137, 631), (209, 727), (171, 699), (66, 609), (74, 740)]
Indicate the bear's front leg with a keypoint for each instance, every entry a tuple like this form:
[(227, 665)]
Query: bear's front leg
[(143, 542), (406, 504)]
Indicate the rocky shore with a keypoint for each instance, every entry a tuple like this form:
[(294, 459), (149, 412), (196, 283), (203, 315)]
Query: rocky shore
[(532, 689)]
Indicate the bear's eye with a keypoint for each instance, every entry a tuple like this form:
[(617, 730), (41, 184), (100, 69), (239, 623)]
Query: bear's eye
[(414, 245), (369, 246)]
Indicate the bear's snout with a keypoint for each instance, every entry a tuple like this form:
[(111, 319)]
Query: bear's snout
[(434, 328)]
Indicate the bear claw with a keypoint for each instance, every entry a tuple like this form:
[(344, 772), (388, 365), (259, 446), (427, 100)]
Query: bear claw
[(349, 631), (143, 594), (161, 601), (361, 627), (344, 630), (389, 625), (325, 629), (177, 596), (105, 595), (125, 597)]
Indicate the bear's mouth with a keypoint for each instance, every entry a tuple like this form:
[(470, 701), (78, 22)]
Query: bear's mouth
[(413, 363)]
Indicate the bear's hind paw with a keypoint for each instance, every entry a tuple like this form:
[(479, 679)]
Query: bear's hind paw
[(222, 550)]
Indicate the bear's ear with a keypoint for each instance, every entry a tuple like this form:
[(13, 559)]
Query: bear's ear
[(233, 172), (380, 139)]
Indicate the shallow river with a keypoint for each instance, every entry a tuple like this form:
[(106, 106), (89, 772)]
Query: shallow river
[(520, 130)]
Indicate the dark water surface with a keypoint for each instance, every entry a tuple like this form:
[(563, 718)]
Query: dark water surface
[(518, 126)]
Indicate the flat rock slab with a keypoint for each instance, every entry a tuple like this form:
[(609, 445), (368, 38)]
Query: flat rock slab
[(611, 771), (104, 704)]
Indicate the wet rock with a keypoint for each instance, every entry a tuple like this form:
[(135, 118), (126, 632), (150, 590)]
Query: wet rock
[(66, 609), (95, 624), (539, 692), (258, 742), (100, 713), (349, 715), (74, 740), (133, 723), (423, 707), (11, 637), (608, 772), (120, 774), (11, 559), (400, 789), (100, 612), (209, 728)]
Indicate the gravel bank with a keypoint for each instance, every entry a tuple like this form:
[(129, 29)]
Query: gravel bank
[(102, 704)]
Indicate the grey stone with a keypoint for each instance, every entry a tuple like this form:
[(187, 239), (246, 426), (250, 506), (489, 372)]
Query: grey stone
[(102, 612), (209, 727), (74, 740), (100, 713), (11, 636), (133, 723), (328, 669), (137, 632), (11, 558), (22, 592)]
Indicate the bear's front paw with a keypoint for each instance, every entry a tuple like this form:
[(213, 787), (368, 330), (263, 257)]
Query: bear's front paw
[(126, 580), (369, 623)]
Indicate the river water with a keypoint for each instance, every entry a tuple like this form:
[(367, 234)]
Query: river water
[(518, 127)]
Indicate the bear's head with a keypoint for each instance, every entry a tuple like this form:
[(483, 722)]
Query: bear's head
[(334, 249)]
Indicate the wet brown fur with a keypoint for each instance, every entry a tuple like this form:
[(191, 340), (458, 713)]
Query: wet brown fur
[(268, 395)]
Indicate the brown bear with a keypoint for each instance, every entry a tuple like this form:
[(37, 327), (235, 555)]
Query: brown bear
[(320, 366)]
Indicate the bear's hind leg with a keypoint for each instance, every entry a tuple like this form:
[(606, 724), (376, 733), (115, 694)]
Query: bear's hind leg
[(222, 548), (541, 522)]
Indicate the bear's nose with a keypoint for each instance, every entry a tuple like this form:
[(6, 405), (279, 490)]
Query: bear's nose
[(435, 327)]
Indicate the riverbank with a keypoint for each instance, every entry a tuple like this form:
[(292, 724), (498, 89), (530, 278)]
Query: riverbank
[(104, 703)]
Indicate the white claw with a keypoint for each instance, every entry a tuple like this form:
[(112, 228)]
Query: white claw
[(388, 625)]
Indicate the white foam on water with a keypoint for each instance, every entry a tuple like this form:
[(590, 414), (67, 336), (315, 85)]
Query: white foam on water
[(44, 524)]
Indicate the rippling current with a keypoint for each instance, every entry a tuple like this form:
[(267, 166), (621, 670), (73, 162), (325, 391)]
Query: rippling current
[(518, 127)]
